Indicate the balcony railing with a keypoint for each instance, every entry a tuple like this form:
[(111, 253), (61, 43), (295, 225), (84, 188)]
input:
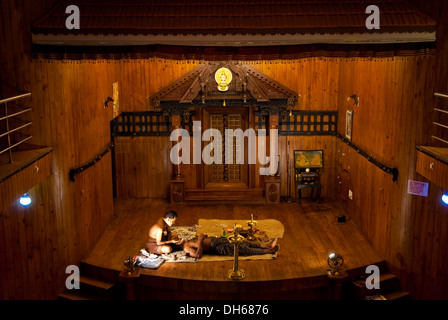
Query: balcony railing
[(441, 111), (12, 125)]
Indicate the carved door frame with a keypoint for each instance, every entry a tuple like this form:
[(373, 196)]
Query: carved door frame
[(245, 179)]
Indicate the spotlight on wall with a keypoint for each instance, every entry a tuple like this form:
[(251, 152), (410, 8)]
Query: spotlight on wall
[(445, 198), (355, 99), (25, 200), (335, 262)]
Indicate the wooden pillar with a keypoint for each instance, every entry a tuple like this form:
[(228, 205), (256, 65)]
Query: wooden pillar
[(273, 121), (177, 182), (272, 183), (176, 124), (336, 284), (273, 124)]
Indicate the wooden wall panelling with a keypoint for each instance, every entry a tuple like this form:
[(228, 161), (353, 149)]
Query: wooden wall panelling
[(163, 72), (432, 169), (60, 86), (315, 79), (41, 244), (50, 261), (417, 220), (29, 258), (15, 186), (13, 266), (26, 251), (4, 293), (69, 117), (91, 201), (68, 127), (143, 166), (389, 123), (426, 274), (401, 142), (344, 186), (328, 173), (359, 134), (9, 29)]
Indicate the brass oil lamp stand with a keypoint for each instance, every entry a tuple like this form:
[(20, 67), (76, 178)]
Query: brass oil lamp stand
[(252, 223), (235, 273), (129, 266)]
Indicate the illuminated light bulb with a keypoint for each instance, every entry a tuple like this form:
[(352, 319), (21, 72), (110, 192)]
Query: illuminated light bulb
[(25, 200), (445, 198)]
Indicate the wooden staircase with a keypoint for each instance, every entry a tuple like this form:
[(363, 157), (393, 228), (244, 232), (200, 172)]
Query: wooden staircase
[(95, 284), (225, 194), (389, 289)]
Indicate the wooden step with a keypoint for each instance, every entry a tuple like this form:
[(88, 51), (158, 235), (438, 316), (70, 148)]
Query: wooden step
[(99, 273), (94, 282), (388, 282), (397, 295), (224, 194), (77, 294), (92, 289), (361, 271)]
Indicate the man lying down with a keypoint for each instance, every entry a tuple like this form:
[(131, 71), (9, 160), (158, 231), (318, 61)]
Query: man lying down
[(222, 247), (162, 241)]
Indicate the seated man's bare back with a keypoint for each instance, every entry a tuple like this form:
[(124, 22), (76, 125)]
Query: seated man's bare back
[(160, 239)]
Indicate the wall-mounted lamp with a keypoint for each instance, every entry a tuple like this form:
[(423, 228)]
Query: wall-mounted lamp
[(25, 200), (335, 262), (106, 102), (355, 99), (445, 198)]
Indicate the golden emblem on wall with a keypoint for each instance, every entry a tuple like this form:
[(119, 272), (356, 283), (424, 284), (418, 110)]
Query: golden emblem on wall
[(223, 77)]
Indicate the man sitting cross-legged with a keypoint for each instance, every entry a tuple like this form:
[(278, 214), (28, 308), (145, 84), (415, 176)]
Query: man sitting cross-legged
[(160, 238), (221, 246)]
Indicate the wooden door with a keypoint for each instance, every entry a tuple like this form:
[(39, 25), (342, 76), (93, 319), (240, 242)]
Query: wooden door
[(226, 174)]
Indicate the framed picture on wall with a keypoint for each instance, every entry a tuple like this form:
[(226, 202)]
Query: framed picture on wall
[(348, 124), (308, 159)]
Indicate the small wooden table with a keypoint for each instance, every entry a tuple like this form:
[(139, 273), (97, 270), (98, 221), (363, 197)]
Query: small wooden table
[(313, 186), (308, 180)]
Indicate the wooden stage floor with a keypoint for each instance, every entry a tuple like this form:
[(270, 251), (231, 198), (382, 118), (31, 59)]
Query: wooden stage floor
[(311, 234)]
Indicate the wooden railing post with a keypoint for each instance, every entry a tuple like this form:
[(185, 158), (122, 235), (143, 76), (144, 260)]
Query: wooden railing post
[(129, 280), (336, 284), (177, 183)]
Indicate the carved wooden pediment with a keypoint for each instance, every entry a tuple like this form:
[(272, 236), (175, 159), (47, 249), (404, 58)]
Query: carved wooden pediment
[(248, 86)]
